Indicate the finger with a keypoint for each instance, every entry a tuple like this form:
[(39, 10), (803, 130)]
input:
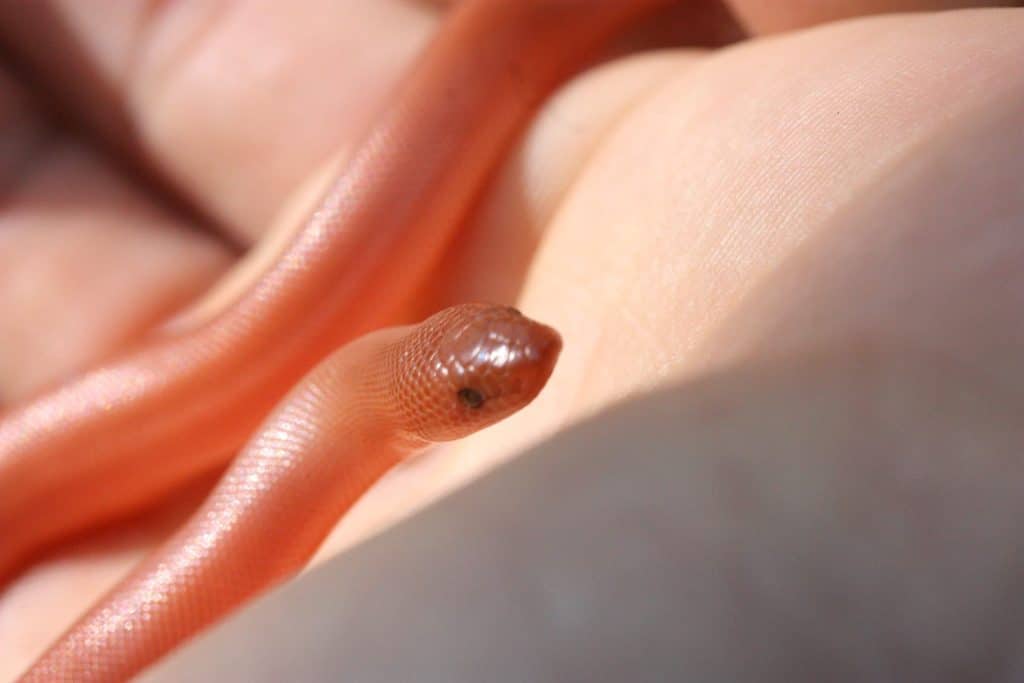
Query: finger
[(704, 533), (663, 251), (711, 209), (87, 260), (234, 103)]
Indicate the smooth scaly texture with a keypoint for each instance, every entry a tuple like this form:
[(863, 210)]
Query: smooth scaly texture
[(379, 399), (126, 433)]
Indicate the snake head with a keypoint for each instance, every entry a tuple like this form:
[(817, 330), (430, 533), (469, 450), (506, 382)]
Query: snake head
[(469, 366)]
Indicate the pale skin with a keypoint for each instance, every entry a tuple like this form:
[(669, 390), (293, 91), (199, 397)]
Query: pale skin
[(766, 185)]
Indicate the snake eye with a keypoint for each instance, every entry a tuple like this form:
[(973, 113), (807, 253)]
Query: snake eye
[(471, 398)]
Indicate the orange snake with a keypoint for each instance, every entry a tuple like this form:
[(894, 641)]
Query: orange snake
[(122, 435), (376, 401)]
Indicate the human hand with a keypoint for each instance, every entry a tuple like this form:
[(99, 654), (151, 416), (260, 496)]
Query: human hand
[(818, 245), (554, 168)]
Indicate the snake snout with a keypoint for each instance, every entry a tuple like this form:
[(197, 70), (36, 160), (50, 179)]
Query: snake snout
[(488, 362)]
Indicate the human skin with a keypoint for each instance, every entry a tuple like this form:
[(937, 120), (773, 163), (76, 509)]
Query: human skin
[(780, 174)]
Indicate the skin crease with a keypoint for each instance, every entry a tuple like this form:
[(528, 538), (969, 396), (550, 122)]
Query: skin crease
[(982, 31), (375, 402)]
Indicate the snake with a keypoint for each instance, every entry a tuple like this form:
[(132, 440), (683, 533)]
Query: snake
[(373, 403), (110, 441)]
